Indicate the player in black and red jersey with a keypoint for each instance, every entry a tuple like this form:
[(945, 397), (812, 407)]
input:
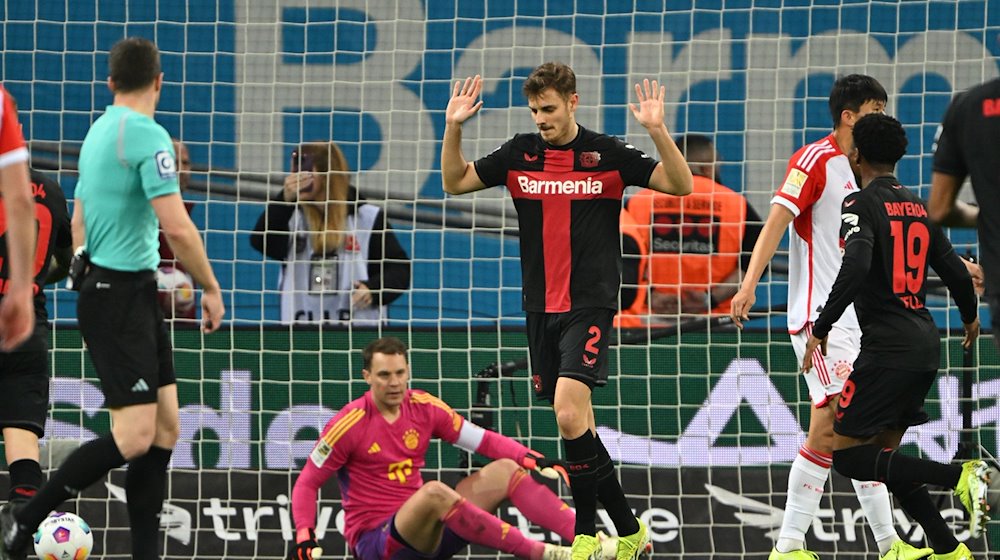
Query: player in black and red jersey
[(962, 151), (567, 184), (24, 371), (889, 244)]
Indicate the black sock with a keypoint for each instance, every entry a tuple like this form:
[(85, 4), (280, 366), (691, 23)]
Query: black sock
[(25, 479), (871, 462), (918, 504), (145, 487), (85, 466), (581, 462), (893, 466), (611, 495)]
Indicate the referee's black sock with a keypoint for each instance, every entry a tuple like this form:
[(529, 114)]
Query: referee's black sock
[(581, 462), (85, 466), (917, 503), (25, 479), (610, 493), (145, 486)]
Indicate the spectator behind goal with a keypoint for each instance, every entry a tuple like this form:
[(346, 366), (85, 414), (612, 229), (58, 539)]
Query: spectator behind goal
[(341, 261), (696, 246)]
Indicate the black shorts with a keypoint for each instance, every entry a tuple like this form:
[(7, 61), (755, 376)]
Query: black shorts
[(127, 338), (24, 390), (876, 398), (572, 344)]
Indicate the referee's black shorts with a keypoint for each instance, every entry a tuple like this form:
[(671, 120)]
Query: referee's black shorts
[(122, 324), (571, 344)]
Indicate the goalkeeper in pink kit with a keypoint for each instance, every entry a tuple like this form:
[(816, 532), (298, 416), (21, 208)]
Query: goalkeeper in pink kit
[(376, 445)]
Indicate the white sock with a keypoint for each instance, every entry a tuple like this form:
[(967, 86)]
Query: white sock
[(875, 502), (806, 484)]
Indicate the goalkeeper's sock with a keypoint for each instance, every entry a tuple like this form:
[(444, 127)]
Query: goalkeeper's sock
[(540, 505), (479, 527), (25, 479), (611, 495), (806, 483), (145, 485), (85, 466), (917, 503), (581, 460), (874, 499)]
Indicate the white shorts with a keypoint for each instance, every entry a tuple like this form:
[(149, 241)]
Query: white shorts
[(828, 374)]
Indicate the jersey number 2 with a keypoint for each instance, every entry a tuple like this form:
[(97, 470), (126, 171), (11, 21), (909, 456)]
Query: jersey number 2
[(909, 256)]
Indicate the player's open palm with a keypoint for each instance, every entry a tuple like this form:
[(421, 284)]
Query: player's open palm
[(649, 111), (464, 102)]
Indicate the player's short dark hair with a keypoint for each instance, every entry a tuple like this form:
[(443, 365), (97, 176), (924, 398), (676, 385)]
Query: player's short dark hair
[(133, 64), (555, 75), (388, 345), (853, 91), (697, 146), (880, 139)]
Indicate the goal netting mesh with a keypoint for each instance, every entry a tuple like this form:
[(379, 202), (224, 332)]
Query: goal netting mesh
[(704, 420)]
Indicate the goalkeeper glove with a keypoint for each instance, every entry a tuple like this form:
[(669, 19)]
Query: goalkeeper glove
[(306, 547), (549, 468)]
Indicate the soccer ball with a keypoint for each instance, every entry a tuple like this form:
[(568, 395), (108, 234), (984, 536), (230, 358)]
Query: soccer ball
[(63, 536), (176, 292)]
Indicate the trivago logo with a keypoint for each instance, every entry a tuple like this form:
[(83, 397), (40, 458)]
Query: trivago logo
[(760, 515)]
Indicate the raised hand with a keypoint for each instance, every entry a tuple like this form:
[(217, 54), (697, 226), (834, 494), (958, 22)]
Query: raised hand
[(649, 112), (464, 102)]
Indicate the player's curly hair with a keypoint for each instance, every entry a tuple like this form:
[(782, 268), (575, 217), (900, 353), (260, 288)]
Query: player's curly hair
[(133, 64), (388, 345), (556, 75), (853, 91), (880, 139)]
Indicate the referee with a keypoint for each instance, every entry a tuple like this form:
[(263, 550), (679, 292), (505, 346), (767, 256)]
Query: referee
[(127, 188)]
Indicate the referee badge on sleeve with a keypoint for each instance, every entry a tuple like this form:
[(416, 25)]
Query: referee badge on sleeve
[(165, 164)]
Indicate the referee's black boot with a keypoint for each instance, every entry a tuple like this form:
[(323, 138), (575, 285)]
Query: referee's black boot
[(16, 538)]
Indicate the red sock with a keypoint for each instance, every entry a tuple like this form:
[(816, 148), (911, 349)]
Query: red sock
[(479, 527), (540, 505)]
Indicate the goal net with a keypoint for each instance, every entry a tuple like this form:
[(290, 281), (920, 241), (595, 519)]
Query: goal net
[(703, 420)]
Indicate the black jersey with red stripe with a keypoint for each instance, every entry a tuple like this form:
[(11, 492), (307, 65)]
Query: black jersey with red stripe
[(889, 243), (52, 220), (967, 147), (568, 200)]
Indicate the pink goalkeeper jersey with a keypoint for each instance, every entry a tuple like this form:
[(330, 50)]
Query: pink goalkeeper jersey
[(377, 463), (818, 179)]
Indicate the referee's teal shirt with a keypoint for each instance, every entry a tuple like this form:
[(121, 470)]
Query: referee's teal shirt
[(127, 159)]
